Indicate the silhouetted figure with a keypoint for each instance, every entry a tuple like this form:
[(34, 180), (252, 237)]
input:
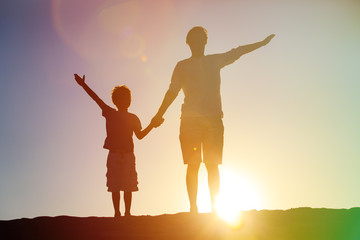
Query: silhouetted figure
[(120, 125), (201, 128)]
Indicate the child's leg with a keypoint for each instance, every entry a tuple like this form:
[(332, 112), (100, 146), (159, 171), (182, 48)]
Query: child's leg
[(127, 200), (116, 203)]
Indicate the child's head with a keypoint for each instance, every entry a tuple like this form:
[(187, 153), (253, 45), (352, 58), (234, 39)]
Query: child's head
[(121, 97)]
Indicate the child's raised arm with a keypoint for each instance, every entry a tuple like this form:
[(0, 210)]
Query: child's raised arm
[(140, 134), (92, 94)]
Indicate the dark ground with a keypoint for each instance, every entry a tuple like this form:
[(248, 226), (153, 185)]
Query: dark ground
[(299, 223)]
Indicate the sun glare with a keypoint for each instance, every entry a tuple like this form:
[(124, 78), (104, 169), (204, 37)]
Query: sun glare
[(237, 193)]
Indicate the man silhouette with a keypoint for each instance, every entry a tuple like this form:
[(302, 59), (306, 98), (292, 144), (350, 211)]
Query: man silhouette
[(201, 127)]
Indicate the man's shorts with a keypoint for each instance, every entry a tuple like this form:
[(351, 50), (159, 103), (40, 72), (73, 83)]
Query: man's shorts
[(121, 173), (202, 139)]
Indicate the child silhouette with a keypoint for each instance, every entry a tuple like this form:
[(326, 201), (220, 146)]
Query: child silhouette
[(120, 125)]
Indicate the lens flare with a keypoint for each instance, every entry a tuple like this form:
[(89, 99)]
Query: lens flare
[(143, 58)]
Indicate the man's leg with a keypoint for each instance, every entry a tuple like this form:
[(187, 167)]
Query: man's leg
[(213, 182), (116, 203), (192, 185), (190, 141), (213, 150), (127, 200)]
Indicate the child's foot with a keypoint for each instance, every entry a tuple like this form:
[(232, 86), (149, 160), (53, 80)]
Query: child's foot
[(117, 214), (127, 214)]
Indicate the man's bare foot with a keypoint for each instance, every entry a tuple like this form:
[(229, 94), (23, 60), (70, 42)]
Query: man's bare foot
[(127, 214), (194, 210), (117, 214)]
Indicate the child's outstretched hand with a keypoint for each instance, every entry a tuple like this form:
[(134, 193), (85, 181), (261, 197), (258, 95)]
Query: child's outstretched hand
[(79, 80), (156, 122)]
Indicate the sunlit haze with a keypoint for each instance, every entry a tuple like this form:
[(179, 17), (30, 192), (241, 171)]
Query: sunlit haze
[(291, 109)]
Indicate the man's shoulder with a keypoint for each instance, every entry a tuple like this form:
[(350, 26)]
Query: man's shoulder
[(206, 57), (184, 61), (214, 55), (181, 65)]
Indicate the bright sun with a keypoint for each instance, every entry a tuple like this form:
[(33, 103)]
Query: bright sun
[(236, 194)]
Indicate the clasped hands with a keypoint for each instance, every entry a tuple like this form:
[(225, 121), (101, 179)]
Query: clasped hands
[(157, 121)]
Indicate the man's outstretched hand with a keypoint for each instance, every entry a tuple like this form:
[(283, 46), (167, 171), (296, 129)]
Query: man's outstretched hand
[(157, 121), (79, 80), (268, 39)]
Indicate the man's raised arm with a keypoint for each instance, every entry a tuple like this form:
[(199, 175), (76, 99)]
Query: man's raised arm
[(251, 47), (88, 90), (235, 53)]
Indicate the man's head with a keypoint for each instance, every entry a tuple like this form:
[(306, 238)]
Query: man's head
[(197, 39), (197, 35), (121, 97)]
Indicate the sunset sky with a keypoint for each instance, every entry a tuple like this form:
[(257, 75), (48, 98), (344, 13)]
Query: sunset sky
[(291, 108)]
